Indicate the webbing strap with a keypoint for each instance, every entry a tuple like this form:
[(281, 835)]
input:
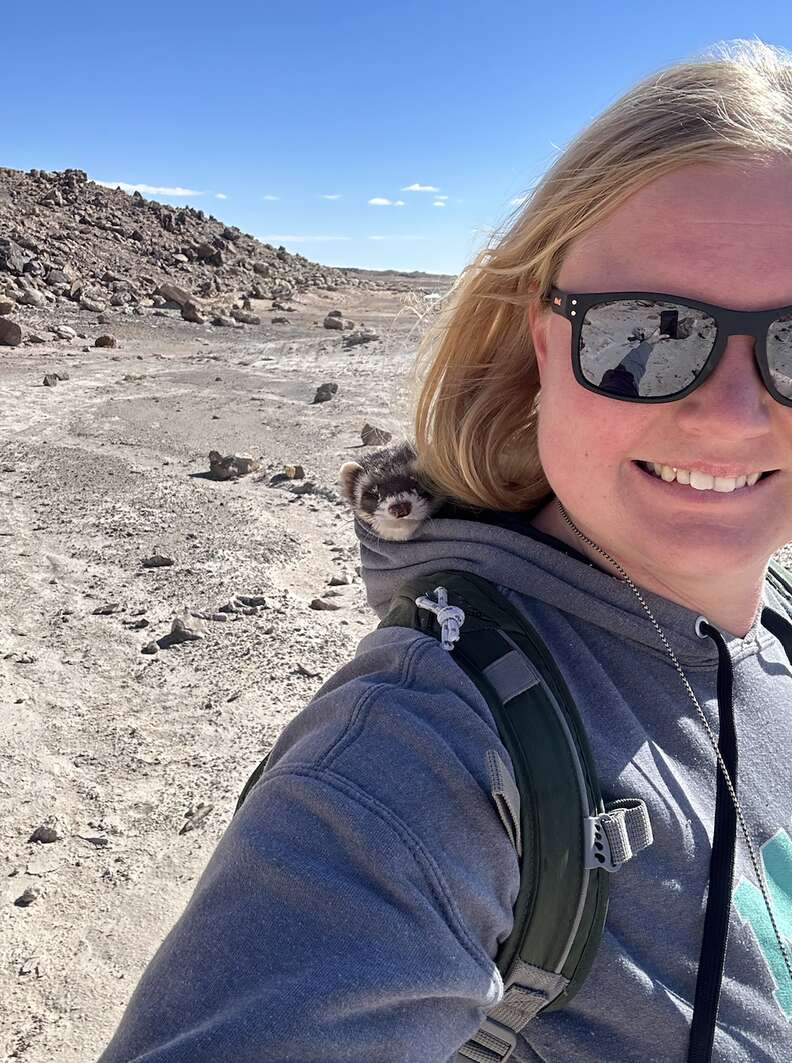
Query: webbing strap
[(627, 829), (529, 989)]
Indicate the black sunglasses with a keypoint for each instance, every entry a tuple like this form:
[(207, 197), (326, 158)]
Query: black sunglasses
[(652, 347)]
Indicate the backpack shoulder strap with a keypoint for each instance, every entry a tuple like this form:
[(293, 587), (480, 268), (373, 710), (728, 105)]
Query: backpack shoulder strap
[(565, 838)]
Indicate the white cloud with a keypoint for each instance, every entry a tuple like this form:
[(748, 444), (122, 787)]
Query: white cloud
[(441, 197), (155, 190), (400, 203), (220, 195), (380, 201), (420, 188), (270, 197), (336, 196), (290, 238), (438, 203)]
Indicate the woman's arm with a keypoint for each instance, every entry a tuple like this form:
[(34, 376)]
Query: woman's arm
[(351, 909)]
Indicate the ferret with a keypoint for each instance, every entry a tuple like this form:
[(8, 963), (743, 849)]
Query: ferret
[(386, 492)]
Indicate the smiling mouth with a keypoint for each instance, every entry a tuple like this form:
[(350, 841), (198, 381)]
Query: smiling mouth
[(704, 486)]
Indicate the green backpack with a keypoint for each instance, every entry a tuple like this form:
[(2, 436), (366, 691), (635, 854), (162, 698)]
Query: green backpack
[(568, 842)]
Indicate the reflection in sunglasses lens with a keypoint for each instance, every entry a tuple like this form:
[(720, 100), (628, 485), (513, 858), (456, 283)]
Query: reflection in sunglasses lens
[(646, 348)]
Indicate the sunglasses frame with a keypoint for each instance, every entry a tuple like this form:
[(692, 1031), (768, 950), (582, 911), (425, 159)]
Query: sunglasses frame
[(756, 323)]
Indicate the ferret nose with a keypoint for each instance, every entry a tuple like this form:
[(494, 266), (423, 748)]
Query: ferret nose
[(399, 509)]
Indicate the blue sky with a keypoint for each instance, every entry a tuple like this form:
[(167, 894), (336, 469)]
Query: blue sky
[(380, 135)]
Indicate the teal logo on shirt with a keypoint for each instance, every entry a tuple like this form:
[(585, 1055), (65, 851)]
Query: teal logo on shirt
[(776, 856)]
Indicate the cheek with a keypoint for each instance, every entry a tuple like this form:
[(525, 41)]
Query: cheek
[(584, 440)]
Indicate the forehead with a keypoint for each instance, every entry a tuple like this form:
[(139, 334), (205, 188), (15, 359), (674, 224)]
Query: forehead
[(721, 233)]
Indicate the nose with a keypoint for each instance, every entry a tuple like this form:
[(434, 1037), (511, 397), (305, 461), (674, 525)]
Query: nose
[(399, 509), (733, 401)]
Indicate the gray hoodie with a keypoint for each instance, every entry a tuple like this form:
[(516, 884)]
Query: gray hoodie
[(352, 908)]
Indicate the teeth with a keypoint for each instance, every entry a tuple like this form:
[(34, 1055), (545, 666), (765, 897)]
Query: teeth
[(702, 481)]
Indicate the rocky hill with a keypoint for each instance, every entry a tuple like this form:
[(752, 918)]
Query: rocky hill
[(67, 240)]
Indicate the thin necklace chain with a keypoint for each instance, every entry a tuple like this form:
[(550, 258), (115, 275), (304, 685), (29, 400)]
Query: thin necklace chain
[(721, 762)]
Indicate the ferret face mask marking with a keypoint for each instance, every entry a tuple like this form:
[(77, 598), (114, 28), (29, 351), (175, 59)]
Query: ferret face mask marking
[(385, 492)]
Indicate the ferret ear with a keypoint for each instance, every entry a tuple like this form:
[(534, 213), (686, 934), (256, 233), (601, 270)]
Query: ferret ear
[(347, 477)]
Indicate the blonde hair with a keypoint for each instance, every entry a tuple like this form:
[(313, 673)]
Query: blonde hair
[(477, 405)]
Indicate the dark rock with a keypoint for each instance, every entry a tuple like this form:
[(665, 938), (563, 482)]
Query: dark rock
[(325, 392)]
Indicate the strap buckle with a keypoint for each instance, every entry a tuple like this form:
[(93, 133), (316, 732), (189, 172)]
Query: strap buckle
[(492, 1043)]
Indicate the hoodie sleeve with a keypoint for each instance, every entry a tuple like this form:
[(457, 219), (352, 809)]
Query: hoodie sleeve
[(352, 908)]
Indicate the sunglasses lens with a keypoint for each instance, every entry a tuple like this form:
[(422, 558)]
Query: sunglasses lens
[(779, 354), (647, 348)]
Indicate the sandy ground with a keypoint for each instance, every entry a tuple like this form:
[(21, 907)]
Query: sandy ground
[(122, 748)]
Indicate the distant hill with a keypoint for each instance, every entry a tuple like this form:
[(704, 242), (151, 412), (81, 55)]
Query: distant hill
[(63, 237)]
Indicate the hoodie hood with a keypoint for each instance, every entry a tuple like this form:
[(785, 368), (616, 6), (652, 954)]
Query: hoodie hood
[(538, 566)]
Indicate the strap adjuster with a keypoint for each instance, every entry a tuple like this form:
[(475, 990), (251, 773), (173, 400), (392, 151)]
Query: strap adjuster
[(616, 835), (492, 1043)]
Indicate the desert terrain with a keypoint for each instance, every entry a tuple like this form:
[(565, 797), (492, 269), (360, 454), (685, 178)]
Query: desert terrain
[(119, 768)]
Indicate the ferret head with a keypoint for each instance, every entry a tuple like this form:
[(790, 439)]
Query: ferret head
[(386, 493)]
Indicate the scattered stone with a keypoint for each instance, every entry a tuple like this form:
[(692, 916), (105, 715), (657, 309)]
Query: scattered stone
[(191, 312), (302, 670), (64, 332), (92, 304), (33, 337), (325, 392), (31, 894), (358, 337), (373, 436), (107, 610), (187, 628), (10, 333), (279, 321), (31, 297), (339, 581), (226, 322), (323, 603), (150, 647), (51, 830), (245, 317), (137, 625), (20, 658), (195, 816), (50, 380), (294, 472), (231, 466), (61, 376), (334, 320), (6, 307), (105, 341), (157, 561)]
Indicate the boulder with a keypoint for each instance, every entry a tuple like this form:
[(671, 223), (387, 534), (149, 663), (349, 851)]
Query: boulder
[(10, 333), (173, 294), (191, 312)]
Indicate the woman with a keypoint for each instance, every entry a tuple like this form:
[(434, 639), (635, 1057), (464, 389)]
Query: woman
[(354, 906)]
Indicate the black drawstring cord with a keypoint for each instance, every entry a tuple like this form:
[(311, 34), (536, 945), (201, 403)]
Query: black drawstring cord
[(721, 872)]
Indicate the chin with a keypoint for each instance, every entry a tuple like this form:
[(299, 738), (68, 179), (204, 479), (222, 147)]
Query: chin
[(398, 530)]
